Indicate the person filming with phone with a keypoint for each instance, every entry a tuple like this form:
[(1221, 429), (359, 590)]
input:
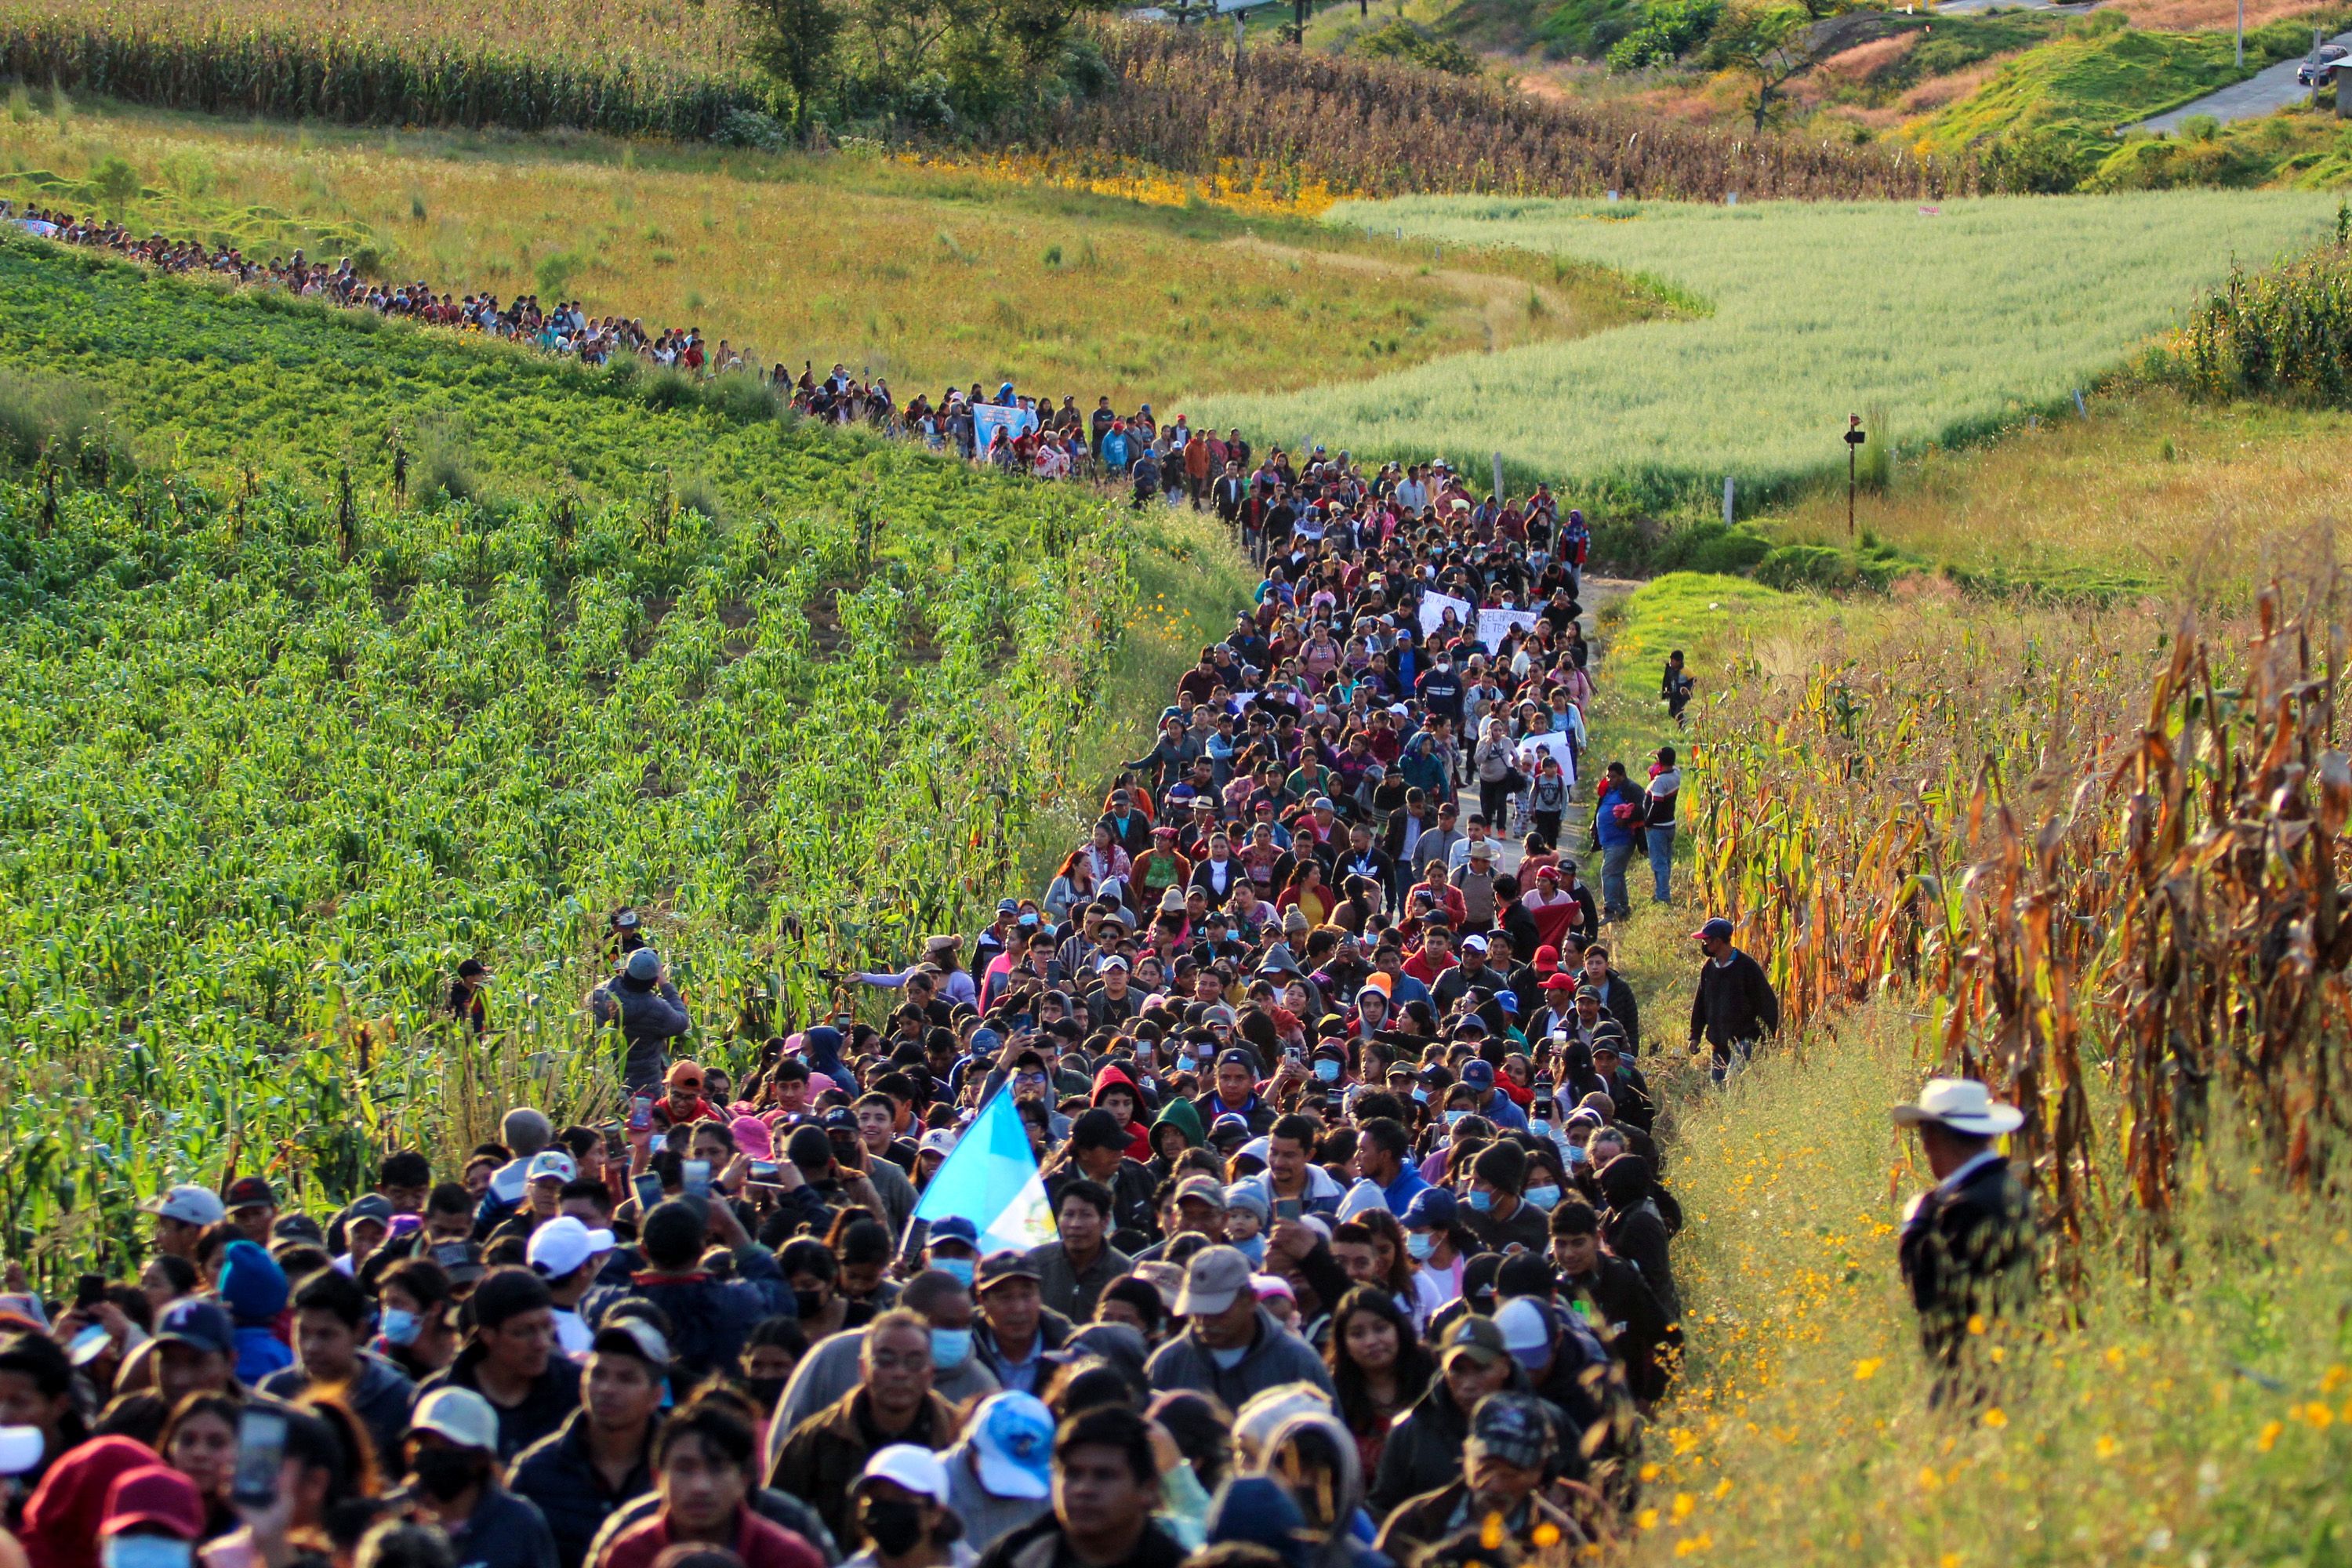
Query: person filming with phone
[(645, 1007)]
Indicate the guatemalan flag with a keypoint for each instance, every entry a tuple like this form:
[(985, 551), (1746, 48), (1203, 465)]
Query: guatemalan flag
[(990, 1178)]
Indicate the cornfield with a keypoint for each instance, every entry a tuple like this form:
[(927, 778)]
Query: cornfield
[(2285, 333), (2114, 878), (288, 74), (279, 754), (1281, 123), (1379, 129)]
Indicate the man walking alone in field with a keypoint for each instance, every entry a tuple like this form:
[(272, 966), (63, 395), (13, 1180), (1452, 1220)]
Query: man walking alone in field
[(1734, 1006), (1967, 1242)]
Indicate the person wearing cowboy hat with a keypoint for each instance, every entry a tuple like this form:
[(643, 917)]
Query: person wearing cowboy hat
[(1968, 1243)]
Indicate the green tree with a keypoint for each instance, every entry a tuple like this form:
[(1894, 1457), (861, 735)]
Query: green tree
[(795, 41), (1768, 44)]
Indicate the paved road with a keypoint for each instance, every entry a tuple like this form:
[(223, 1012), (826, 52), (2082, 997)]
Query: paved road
[(1978, 7), (2267, 90)]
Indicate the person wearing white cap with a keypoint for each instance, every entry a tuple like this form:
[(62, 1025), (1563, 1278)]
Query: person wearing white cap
[(903, 1509), (566, 1254), (1000, 1472), (181, 1217), (1968, 1242), (453, 1481)]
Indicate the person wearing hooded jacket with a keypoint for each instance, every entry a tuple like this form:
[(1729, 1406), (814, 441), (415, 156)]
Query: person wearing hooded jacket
[(1113, 1076), (647, 1009), (1299, 1449), (1635, 1230), (1424, 1451), (253, 1288)]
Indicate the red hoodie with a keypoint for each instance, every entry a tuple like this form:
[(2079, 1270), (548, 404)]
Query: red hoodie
[(1138, 1130)]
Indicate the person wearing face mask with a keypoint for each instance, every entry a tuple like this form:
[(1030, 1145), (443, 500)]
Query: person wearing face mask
[(1498, 1215), (153, 1520), (602, 1456), (903, 1508), (1433, 1240), (413, 1328), (452, 1482), (830, 1370)]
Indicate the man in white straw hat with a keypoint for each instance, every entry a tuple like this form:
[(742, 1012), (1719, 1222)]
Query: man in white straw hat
[(1967, 1242)]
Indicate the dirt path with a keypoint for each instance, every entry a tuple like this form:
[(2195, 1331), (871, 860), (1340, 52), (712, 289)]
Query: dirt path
[(1598, 594), (1502, 300)]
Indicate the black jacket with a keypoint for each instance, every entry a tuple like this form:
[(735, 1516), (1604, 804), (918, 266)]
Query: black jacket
[(503, 1532), (1041, 1545), (1617, 1001), (558, 1474), (1734, 1002), (1965, 1253), (1626, 1314), (549, 1404)]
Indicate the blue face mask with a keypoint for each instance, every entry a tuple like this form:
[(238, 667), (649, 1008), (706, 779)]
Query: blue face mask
[(1481, 1200), (961, 1269), (1544, 1198), (1454, 1118), (1576, 1155), (1420, 1244), (1329, 1072), (147, 1552), (1422, 1095), (401, 1327), (950, 1348)]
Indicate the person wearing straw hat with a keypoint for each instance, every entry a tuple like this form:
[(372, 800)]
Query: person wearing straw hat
[(1968, 1243)]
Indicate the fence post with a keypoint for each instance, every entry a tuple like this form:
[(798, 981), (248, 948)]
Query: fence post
[(1727, 500)]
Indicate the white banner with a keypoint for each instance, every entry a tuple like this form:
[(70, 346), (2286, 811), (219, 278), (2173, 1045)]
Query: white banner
[(1550, 743), (1495, 624), (1433, 612)]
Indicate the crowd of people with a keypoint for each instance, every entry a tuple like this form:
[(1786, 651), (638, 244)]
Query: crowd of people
[(1360, 1249)]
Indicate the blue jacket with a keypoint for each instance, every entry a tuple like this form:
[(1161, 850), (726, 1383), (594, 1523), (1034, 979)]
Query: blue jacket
[(1607, 831), (253, 1288), (710, 1319)]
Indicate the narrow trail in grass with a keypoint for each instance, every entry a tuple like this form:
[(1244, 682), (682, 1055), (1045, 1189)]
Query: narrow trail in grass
[(1508, 306)]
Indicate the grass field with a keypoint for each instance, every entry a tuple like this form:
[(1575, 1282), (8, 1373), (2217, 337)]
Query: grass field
[(2150, 490), (1935, 324), (929, 276)]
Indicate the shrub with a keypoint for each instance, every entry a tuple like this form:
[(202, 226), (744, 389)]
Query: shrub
[(1806, 567), (58, 415), (1401, 40)]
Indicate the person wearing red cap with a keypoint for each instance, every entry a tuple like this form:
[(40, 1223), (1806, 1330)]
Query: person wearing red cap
[(154, 1519), (64, 1514)]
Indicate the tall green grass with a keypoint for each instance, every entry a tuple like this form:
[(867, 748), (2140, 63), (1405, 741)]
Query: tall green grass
[(1956, 319)]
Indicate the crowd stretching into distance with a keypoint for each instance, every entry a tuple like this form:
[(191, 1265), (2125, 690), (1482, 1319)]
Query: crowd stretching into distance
[(1358, 1251)]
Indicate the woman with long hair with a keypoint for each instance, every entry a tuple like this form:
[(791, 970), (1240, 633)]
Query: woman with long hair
[(1378, 1366), (1308, 892)]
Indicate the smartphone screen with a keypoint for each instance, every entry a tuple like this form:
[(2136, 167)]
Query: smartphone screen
[(694, 1175), (1289, 1208), (764, 1170), (649, 1191), (260, 1455), (641, 1113), (90, 1290)]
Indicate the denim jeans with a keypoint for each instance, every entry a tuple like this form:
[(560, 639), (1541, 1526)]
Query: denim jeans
[(1613, 859), (1662, 858)]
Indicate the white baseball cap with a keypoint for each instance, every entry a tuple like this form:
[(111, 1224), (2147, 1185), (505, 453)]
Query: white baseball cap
[(1527, 1331), (457, 1416), (189, 1206), (907, 1465), (552, 1165), (561, 1246)]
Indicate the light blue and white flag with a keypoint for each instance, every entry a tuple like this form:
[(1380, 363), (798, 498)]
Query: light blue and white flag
[(990, 1178), (987, 418)]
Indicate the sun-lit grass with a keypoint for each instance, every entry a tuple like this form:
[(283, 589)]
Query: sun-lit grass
[(1951, 319), (927, 276), (2150, 488)]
